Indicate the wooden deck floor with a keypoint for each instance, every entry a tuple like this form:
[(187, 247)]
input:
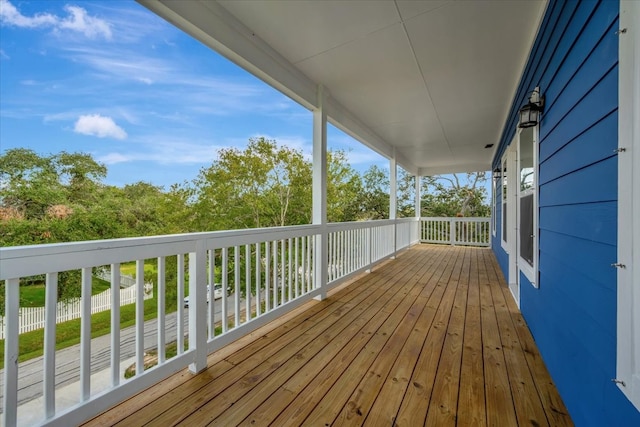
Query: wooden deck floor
[(431, 338)]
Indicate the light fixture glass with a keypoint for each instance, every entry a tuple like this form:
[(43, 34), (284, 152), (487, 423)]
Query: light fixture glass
[(497, 173), (529, 114)]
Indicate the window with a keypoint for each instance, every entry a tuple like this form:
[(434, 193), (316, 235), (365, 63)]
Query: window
[(528, 203), (494, 196), (504, 201), (628, 272)]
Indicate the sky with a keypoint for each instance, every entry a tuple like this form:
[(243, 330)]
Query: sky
[(112, 79)]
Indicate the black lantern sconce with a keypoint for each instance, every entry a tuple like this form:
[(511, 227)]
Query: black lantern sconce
[(497, 173), (530, 113)]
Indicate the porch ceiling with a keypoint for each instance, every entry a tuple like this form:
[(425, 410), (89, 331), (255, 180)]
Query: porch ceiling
[(431, 81)]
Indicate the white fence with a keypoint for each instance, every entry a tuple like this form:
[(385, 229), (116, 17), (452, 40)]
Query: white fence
[(264, 273), (456, 231), (32, 318), (125, 280)]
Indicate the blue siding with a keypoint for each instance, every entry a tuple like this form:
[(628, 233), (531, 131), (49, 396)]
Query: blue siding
[(572, 314)]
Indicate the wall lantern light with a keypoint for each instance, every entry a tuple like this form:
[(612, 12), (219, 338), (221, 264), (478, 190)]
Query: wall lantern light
[(497, 173), (530, 112)]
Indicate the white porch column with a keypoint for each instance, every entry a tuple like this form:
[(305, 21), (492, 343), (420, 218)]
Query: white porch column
[(319, 195), (418, 208), (393, 198), (418, 195), (393, 186)]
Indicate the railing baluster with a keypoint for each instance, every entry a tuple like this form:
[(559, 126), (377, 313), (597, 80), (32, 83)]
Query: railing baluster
[(85, 336), (349, 250), (49, 383), (140, 316), (225, 284), (331, 274), (296, 266), (247, 280), (161, 297), (115, 324), (275, 273), (211, 283), (290, 278), (311, 254), (258, 280), (12, 319), (236, 284), (267, 276), (180, 296)]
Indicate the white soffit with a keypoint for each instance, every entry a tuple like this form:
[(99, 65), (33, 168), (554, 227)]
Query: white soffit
[(431, 80)]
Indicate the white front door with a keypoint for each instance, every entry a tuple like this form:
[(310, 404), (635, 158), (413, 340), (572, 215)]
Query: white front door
[(512, 219)]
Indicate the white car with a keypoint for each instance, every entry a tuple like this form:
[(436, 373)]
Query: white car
[(217, 293)]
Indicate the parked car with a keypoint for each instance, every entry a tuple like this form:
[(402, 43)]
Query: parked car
[(217, 293)]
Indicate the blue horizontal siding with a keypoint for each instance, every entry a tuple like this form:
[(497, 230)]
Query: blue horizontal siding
[(595, 183), (591, 57), (572, 314), (592, 221), (594, 259), (569, 283), (595, 144), (599, 102)]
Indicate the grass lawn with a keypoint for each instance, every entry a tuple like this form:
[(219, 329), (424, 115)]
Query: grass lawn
[(129, 269), (34, 295)]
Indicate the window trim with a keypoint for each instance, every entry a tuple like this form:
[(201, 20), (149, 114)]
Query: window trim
[(503, 202), (496, 180), (628, 277), (530, 271)]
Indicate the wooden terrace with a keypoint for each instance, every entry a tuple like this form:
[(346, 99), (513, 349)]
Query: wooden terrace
[(433, 337)]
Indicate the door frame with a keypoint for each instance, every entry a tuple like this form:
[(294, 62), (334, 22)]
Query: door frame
[(512, 218)]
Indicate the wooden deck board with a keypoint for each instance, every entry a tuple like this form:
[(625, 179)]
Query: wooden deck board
[(471, 396), (433, 337)]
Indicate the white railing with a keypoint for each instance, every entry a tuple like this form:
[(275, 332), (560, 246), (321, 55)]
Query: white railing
[(32, 318), (407, 232), (264, 273), (456, 231)]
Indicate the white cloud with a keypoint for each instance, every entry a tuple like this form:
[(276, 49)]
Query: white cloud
[(100, 126), (77, 21), (113, 158), (165, 150), (11, 16)]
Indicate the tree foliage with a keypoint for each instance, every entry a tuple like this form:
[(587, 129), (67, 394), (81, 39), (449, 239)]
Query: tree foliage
[(261, 186), (453, 195), (62, 197)]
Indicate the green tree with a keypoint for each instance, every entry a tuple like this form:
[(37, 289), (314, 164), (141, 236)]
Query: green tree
[(261, 186), (344, 189), (406, 194), (375, 194), (28, 183), (81, 174), (452, 196)]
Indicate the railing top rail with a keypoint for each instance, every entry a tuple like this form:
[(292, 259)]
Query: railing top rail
[(21, 261), (355, 225), (408, 219), (454, 218)]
